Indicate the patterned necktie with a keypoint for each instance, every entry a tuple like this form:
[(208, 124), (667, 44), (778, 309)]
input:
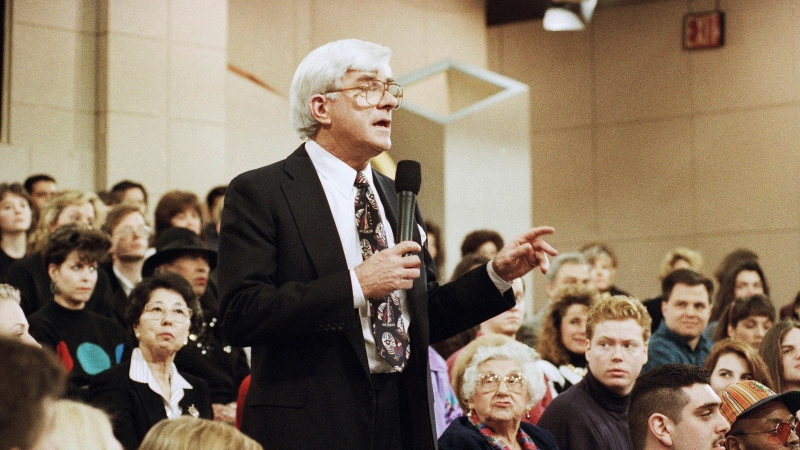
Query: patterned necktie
[(387, 321)]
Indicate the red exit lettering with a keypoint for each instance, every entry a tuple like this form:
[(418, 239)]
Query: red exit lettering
[(703, 30)]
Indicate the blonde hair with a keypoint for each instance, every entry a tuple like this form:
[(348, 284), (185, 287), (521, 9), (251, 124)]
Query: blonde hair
[(8, 292), (185, 432), (51, 211), (77, 426), (619, 307), (695, 260)]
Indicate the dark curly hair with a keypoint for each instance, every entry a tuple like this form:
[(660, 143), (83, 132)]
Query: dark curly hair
[(141, 294), (549, 344), (92, 245)]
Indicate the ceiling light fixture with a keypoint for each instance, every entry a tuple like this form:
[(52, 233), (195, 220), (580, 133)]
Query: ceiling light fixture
[(568, 15)]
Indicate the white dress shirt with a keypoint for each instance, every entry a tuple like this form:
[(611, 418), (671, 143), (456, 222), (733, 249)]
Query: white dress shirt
[(141, 373)]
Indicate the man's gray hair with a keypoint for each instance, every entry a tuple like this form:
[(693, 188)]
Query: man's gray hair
[(323, 69), (8, 292), (511, 351), (560, 260)]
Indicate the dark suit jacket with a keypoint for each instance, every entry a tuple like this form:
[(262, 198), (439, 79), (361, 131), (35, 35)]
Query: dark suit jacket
[(134, 407), (287, 293)]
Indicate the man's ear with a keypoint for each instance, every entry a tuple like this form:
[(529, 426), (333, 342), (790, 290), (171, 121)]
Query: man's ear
[(661, 427), (731, 443), (318, 105)]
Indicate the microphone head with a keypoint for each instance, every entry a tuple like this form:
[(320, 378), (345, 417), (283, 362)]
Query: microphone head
[(408, 176)]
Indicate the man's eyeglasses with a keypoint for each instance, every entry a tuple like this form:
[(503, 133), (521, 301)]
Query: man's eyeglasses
[(141, 230), (515, 382), (374, 90), (783, 430), (158, 312)]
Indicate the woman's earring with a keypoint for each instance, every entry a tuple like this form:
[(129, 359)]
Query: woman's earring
[(528, 415)]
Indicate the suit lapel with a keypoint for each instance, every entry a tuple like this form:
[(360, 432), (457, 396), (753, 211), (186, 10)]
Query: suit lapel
[(314, 220), (152, 403)]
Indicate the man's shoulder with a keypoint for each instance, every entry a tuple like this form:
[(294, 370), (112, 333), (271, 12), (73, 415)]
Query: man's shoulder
[(572, 400), (269, 171)]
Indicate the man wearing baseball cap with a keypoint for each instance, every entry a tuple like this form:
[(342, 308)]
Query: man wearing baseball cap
[(760, 419)]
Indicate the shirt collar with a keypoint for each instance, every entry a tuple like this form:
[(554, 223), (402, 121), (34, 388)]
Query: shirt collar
[(140, 372), (341, 176)]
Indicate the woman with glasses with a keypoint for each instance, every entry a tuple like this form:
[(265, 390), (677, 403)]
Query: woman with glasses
[(499, 386), (163, 311), (86, 342)]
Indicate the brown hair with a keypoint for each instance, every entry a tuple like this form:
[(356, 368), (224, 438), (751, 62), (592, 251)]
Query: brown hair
[(770, 351), (619, 307), (549, 343), (473, 241), (29, 375), (170, 205), (695, 260), (755, 305), (746, 352), (117, 213)]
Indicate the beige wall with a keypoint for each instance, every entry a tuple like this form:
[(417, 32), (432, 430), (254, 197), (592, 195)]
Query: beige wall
[(643, 145)]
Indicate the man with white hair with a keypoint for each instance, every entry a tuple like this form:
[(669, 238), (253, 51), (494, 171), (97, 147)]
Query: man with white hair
[(338, 317)]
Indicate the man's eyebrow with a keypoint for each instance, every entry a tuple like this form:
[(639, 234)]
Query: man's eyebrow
[(706, 406)]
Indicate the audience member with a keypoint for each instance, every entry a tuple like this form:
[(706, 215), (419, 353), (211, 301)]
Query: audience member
[(185, 433), (760, 419), (603, 261), (41, 188), (731, 259), (445, 401), (87, 343), (15, 221), (78, 426), (742, 280), (748, 319), (163, 311), (593, 414), (732, 361), (673, 407), (485, 242), (127, 191), (435, 246), (216, 196), (29, 274), (565, 269), (129, 233), (792, 310), (780, 351), (178, 209), (679, 338), (31, 380), (208, 355), (562, 342), (500, 385), (13, 323), (677, 258), (451, 345)]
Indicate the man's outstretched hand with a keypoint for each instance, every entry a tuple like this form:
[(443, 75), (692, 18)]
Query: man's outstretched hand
[(524, 254)]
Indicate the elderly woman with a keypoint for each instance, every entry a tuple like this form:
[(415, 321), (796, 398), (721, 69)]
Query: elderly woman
[(499, 386), (163, 310), (13, 323), (562, 341), (86, 342), (732, 361), (748, 319)]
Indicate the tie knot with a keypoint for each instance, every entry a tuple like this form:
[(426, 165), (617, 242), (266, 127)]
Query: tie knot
[(361, 181)]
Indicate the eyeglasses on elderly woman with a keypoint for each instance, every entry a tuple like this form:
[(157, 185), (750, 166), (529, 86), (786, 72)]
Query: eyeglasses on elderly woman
[(489, 382)]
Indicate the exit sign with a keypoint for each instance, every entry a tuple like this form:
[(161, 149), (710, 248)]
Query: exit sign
[(703, 30)]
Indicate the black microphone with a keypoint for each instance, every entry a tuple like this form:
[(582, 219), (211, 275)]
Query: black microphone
[(408, 179)]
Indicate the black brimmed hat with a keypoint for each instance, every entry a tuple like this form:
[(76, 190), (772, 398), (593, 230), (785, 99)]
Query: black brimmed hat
[(174, 243)]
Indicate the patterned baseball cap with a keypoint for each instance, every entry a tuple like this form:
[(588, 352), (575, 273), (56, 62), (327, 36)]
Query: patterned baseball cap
[(748, 395)]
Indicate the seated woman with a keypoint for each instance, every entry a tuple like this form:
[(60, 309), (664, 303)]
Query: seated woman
[(163, 310), (562, 342), (86, 342), (29, 274), (748, 319), (15, 221), (780, 351), (185, 433), (743, 279), (499, 386), (178, 209), (732, 361), (603, 261)]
